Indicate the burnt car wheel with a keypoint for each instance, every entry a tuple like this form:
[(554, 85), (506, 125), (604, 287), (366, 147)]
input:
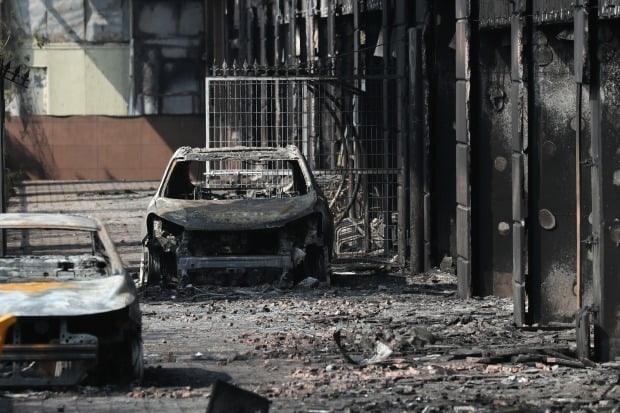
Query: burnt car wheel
[(128, 363), (119, 363), (159, 266), (151, 275), (134, 344)]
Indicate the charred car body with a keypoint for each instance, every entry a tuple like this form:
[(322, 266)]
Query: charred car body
[(239, 211), (76, 308)]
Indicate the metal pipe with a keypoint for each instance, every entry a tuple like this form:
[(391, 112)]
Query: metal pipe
[(416, 178), (386, 121), (422, 22), (292, 36), (578, 191), (331, 60), (249, 21), (401, 143), (355, 113), (2, 166), (2, 146), (243, 35), (207, 111), (275, 13), (132, 78)]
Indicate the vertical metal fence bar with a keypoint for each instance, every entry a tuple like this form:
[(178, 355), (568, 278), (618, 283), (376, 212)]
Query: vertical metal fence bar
[(385, 31), (207, 113), (401, 143)]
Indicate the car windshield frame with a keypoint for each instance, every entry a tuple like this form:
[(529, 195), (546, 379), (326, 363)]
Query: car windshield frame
[(216, 178)]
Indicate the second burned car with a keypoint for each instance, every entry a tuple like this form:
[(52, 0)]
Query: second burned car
[(238, 212)]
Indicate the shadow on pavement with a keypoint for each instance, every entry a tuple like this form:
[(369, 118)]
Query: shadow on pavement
[(180, 377)]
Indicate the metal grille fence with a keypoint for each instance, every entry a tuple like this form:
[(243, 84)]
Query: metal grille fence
[(342, 131)]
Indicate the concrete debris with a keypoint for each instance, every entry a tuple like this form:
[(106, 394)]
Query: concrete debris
[(447, 264), (309, 282), (381, 353)]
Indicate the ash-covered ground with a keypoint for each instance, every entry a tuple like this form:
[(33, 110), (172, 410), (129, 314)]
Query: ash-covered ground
[(376, 340)]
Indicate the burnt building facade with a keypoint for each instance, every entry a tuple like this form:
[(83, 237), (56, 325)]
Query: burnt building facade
[(481, 130)]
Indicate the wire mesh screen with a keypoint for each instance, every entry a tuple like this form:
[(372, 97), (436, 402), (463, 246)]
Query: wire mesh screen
[(48, 242), (234, 179), (341, 129)]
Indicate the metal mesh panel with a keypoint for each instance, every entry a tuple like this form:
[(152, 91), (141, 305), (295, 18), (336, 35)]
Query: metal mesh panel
[(48, 242), (609, 9), (235, 179), (342, 132), (551, 11), (495, 13)]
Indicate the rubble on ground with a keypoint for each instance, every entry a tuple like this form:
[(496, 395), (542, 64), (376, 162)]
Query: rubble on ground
[(445, 354)]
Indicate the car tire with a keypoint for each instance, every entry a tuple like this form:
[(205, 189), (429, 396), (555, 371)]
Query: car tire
[(120, 363), (152, 267), (128, 364), (133, 343)]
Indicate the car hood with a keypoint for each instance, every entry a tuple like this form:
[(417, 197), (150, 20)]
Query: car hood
[(234, 214), (66, 298)]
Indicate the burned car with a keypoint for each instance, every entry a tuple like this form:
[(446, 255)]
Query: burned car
[(236, 213), (76, 311)]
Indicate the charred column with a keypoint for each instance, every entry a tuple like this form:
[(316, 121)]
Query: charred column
[(243, 38), (605, 238), (553, 121), (463, 189), (491, 150), (331, 62), (519, 105), (401, 143), (387, 51), (416, 169), (2, 159), (292, 33)]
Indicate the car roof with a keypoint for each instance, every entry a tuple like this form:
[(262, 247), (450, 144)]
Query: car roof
[(48, 221)]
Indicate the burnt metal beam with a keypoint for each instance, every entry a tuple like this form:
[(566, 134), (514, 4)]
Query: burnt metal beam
[(491, 154), (519, 107), (579, 53), (55, 352), (215, 32), (386, 34), (292, 33), (2, 164), (331, 62), (275, 23), (400, 41), (463, 138), (422, 16), (552, 196), (243, 39), (416, 150), (605, 237)]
